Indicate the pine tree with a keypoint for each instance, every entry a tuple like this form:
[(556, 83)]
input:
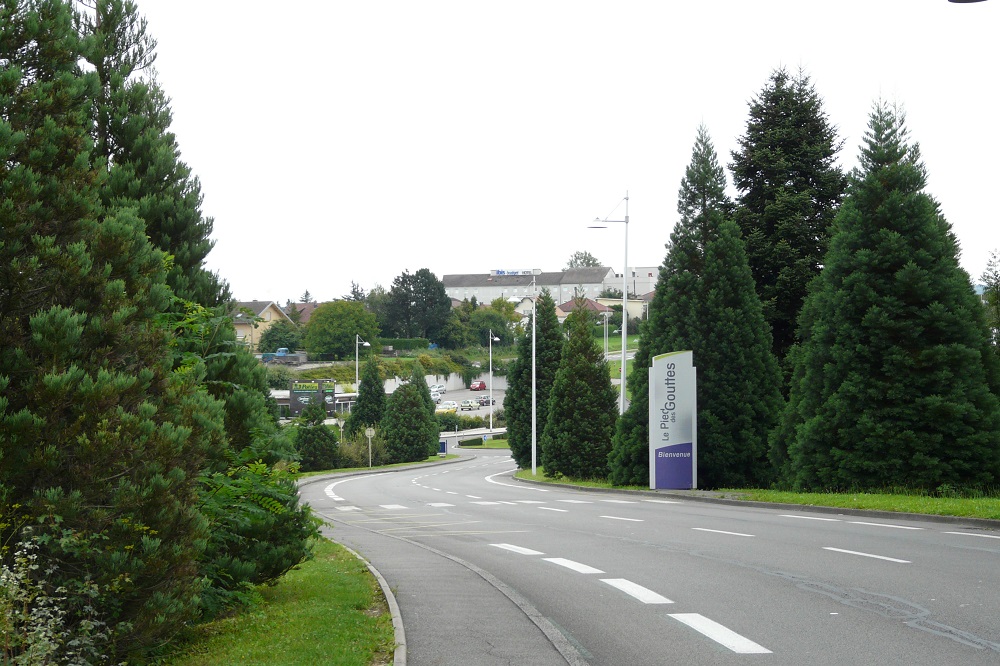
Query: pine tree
[(100, 442), (132, 133), (315, 442), (370, 406), (406, 425), (705, 302), (582, 407), (894, 376), (991, 298), (790, 189), (517, 400)]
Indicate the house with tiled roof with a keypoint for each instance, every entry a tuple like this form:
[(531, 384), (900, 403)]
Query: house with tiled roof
[(304, 311), (262, 315), (562, 285)]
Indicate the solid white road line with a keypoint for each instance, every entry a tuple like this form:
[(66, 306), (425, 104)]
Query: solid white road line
[(898, 527), (552, 508), (575, 501), (575, 566), (877, 557), (631, 520), (474, 497), (720, 634), (641, 593), (705, 529), (620, 501), (985, 536), (517, 549), (831, 520), (440, 504), (486, 503), (662, 501), (392, 506), (489, 479), (530, 502)]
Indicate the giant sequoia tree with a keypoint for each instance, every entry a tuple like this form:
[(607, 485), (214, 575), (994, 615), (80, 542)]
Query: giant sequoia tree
[(895, 383), (100, 443), (705, 302), (790, 188)]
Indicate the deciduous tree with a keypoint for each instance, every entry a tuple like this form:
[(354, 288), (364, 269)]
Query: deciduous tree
[(333, 326)]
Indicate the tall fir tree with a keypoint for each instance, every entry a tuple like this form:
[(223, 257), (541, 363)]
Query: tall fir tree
[(370, 406), (705, 302), (406, 425), (895, 382), (131, 131), (100, 442), (790, 188), (582, 408), (517, 400), (419, 379), (991, 298)]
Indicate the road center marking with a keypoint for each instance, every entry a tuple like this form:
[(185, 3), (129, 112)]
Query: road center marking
[(720, 634), (552, 508), (641, 593), (575, 566), (440, 504), (705, 529), (631, 520), (517, 549), (392, 506), (877, 557)]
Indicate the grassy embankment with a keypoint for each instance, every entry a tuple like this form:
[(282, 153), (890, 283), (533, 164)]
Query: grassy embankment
[(972, 505)]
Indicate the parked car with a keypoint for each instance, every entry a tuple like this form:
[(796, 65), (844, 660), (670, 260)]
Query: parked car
[(478, 385), (448, 406), (470, 404), (437, 388), (486, 401), (436, 397)]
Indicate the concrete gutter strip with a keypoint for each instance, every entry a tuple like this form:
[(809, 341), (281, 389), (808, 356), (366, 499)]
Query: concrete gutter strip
[(399, 653)]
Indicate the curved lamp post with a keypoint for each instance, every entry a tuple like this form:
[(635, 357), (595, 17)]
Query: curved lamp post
[(602, 224)]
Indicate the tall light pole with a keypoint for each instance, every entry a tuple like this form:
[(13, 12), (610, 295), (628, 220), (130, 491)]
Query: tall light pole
[(602, 224), (357, 341), (534, 394), (493, 339), (606, 314)]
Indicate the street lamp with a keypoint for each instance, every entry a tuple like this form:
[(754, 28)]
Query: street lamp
[(357, 341), (602, 224), (606, 314), (493, 339), (534, 394)]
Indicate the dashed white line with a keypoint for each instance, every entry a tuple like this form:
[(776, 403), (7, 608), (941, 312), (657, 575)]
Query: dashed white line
[(552, 508), (440, 504), (530, 502), (575, 501), (612, 501), (575, 566), (392, 506), (985, 536), (631, 520), (877, 557), (641, 593), (517, 549), (473, 497), (720, 634), (486, 503), (348, 508), (705, 529), (830, 520), (663, 501), (898, 527)]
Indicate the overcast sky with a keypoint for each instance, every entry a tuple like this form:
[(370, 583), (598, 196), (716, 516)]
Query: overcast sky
[(348, 140)]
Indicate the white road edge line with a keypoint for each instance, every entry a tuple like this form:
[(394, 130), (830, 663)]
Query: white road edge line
[(720, 634), (662, 501), (705, 529), (489, 479), (985, 536), (631, 520), (645, 595), (898, 527), (877, 557), (517, 549), (575, 566)]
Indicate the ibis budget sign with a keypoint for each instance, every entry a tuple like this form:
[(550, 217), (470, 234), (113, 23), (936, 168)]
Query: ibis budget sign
[(673, 421)]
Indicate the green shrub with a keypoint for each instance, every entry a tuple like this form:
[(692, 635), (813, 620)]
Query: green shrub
[(406, 343)]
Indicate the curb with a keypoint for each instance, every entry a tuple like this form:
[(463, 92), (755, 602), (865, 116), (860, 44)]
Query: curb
[(376, 470), (984, 523), (399, 635)]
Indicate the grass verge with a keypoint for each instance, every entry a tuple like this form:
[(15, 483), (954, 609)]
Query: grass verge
[(985, 506), (329, 610)]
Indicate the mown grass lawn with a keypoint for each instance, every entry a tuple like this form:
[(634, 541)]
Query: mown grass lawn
[(329, 610)]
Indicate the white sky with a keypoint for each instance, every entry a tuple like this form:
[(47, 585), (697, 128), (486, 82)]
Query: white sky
[(348, 140)]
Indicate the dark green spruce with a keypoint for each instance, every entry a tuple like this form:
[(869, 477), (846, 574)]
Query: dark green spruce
[(895, 384), (705, 302)]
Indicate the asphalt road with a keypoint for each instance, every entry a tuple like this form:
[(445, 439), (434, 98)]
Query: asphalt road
[(487, 570)]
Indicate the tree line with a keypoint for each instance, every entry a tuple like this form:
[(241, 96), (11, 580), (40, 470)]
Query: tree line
[(838, 342), (144, 482)]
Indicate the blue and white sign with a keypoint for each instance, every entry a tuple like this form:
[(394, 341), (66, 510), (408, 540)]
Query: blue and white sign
[(673, 421)]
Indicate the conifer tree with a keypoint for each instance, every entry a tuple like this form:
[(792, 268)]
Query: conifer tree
[(370, 406), (406, 425), (419, 379), (315, 442), (894, 376), (132, 133), (582, 407), (790, 188), (517, 401), (100, 443), (705, 302)]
